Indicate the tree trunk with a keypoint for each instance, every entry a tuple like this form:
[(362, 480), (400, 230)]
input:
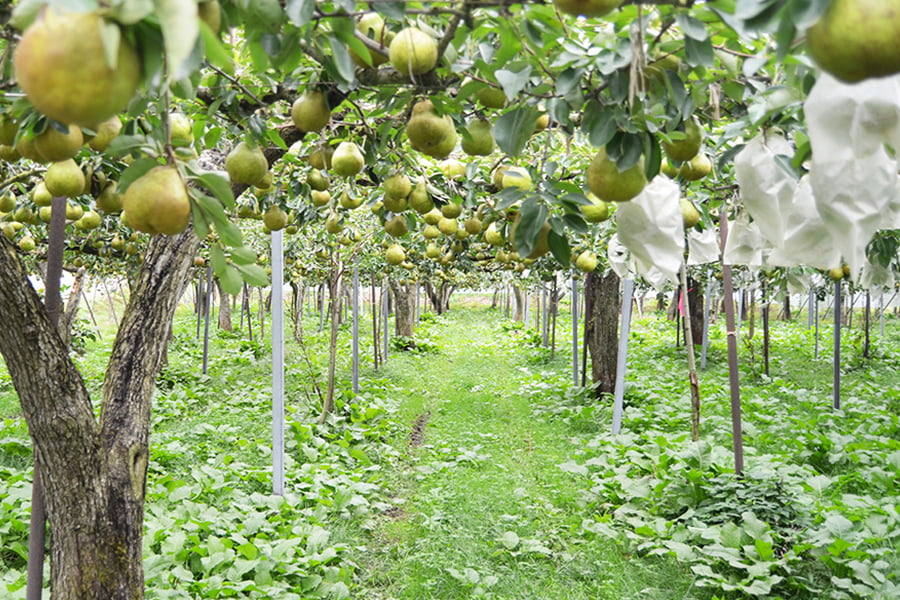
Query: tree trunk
[(439, 296), (786, 294), (224, 307), (601, 294), (519, 295), (695, 308), (94, 472), (68, 317), (404, 307)]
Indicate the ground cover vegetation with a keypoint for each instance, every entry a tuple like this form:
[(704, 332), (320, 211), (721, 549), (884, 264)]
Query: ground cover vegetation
[(424, 148), (499, 479)]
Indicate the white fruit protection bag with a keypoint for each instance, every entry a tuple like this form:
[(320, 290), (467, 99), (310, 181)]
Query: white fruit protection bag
[(652, 229)]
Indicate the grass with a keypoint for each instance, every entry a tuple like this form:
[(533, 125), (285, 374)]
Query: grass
[(485, 511), (511, 490)]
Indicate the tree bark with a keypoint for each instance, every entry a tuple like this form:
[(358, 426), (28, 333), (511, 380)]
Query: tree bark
[(404, 307), (94, 472), (224, 307), (695, 310), (68, 316), (519, 295), (439, 296), (601, 293)]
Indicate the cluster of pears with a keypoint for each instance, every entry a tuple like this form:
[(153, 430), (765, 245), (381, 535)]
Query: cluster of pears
[(411, 51), (685, 149)]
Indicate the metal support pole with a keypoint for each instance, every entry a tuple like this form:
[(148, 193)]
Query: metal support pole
[(355, 302), (809, 312), (837, 346), (278, 362), (574, 331), (881, 312), (816, 322), (619, 395)]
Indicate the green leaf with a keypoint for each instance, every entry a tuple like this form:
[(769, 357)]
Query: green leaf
[(699, 52), (392, 10), (179, 22), (130, 11), (243, 255), (342, 61), (253, 274), (300, 12), (559, 247), (135, 170), (531, 219), (215, 51), (513, 129), (692, 27), (231, 280), (219, 186), (513, 82), (509, 539), (217, 258)]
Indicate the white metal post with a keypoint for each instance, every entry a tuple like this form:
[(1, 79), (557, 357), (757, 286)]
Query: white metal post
[(278, 362)]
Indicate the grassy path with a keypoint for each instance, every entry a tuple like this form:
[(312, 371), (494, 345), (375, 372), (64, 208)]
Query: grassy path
[(482, 509)]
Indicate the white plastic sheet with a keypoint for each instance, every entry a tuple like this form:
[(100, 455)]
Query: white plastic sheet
[(651, 227), (623, 264), (767, 189), (854, 181), (807, 240), (703, 247), (744, 245)]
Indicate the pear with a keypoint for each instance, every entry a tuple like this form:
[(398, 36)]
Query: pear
[(430, 133), (413, 52), (181, 130), (491, 97), (586, 261), (493, 236), (372, 26), (9, 153), (333, 224), (246, 164), (433, 216), (320, 158), (397, 186), (347, 160), (857, 39), (595, 212), (451, 210), (74, 212), (419, 198), (686, 148), (395, 204), (310, 112), (452, 168), (541, 245), (41, 195), (349, 201), (320, 197), (473, 225), (54, 145), (587, 8), (396, 226), (431, 232), (109, 200), (275, 218), (89, 220), (697, 168), (432, 251), (210, 12), (157, 202), (65, 179), (517, 177), (26, 243), (106, 133), (395, 254), (611, 185), (448, 225), (689, 213), (7, 202), (8, 130), (317, 180), (63, 67), (478, 138)]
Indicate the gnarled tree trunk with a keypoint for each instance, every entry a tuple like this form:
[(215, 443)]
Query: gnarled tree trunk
[(519, 295), (93, 471), (601, 293), (224, 307), (404, 309)]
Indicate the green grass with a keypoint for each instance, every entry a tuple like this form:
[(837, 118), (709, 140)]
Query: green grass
[(517, 490), (489, 469)]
